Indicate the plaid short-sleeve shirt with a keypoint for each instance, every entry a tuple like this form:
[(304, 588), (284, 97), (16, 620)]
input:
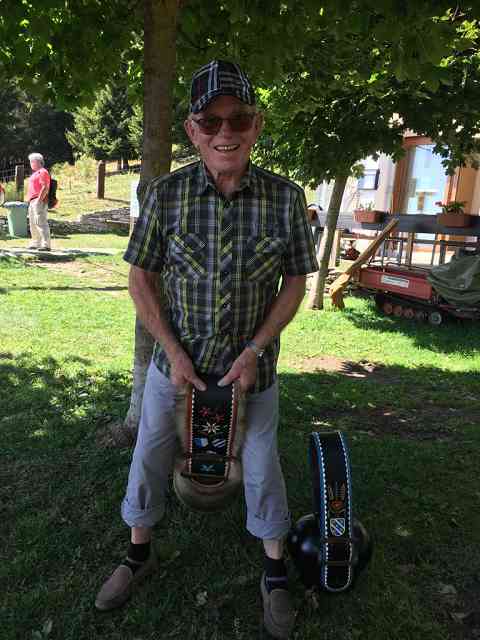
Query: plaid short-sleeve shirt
[(221, 260)]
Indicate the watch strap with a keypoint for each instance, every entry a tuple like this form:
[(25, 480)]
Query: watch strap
[(256, 350)]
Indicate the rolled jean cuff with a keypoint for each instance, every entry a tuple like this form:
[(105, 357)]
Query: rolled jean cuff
[(141, 517), (272, 530)]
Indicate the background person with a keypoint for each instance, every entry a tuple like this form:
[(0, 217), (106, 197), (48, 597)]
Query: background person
[(37, 197), (223, 234)]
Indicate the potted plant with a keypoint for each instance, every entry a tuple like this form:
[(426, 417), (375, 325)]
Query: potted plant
[(453, 214), (366, 213)]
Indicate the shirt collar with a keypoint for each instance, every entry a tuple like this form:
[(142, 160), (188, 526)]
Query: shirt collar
[(205, 180)]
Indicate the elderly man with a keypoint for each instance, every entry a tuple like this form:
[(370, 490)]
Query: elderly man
[(37, 197), (223, 233)]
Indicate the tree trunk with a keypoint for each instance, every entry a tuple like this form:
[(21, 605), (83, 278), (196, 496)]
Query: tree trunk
[(141, 360), (160, 29), (317, 288)]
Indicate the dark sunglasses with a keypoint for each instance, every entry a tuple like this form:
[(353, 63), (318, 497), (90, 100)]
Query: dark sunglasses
[(211, 125)]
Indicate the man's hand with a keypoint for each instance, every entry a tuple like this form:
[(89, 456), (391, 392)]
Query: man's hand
[(244, 369), (182, 371)]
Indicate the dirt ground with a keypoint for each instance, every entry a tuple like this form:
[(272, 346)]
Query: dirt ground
[(429, 421), (111, 279)]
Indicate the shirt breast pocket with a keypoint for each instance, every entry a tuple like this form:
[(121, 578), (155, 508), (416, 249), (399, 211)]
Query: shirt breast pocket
[(188, 255), (264, 258)]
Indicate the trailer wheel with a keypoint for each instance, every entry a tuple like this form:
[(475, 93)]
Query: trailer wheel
[(398, 310), (409, 313), (388, 308), (420, 315), (435, 318)]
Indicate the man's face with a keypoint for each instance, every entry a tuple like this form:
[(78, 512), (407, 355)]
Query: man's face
[(227, 151)]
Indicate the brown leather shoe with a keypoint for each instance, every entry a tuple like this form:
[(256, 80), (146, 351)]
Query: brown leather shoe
[(118, 588), (278, 612)]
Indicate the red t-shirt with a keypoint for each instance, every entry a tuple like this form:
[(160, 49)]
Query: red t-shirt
[(37, 180)]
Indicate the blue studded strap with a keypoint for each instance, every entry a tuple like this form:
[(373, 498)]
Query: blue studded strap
[(332, 491)]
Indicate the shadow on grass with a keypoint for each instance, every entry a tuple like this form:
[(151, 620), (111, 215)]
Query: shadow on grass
[(42, 393), (56, 255), (412, 445), (114, 231), (71, 288), (453, 335), (127, 202), (62, 535), (31, 258), (392, 400)]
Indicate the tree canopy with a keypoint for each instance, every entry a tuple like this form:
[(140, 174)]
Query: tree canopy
[(363, 98), (105, 129), (28, 124), (349, 98), (64, 49), (58, 47)]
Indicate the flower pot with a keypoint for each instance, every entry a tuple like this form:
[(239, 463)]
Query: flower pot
[(454, 219), (361, 215)]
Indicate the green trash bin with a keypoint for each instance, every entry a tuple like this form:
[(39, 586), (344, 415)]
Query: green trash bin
[(17, 219)]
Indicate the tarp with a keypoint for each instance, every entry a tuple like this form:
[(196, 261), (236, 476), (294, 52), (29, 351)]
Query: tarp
[(458, 281)]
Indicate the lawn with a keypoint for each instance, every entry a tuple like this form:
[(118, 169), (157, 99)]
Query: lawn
[(77, 188), (405, 395)]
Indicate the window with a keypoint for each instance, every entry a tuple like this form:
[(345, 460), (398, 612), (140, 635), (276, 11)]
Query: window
[(369, 180), (426, 180)]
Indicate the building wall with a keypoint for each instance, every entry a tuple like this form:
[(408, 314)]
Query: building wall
[(465, 185), (384, 193), (468, 189), (476, 196), (354, 196)]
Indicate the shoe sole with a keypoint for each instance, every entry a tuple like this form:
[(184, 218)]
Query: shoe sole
[(115, 603)]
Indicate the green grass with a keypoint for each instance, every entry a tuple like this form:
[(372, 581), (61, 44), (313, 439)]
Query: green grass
[(113, 241), (77, 189), (80, 196), (410, 413)]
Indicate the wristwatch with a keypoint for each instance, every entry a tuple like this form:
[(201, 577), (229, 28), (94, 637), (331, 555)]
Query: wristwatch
[(256, 350)]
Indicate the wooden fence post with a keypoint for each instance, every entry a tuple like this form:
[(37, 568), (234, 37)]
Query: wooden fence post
[(19, 178), (101, 180)]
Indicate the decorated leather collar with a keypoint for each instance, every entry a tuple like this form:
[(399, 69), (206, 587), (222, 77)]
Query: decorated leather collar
[(211, 425)]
